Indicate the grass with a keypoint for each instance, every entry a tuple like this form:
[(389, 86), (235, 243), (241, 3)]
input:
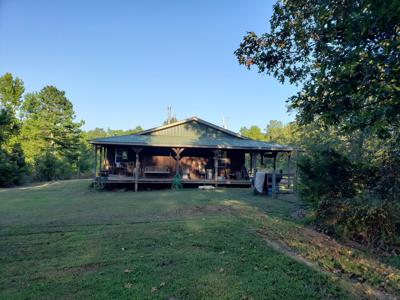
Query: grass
[(63, 240)]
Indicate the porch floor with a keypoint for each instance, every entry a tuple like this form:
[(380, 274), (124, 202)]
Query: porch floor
[(131, 179)]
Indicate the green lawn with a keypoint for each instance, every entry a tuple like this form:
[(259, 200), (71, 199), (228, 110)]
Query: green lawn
[(63, 240)]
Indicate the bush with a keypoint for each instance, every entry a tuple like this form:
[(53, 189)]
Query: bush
[(374, 225), (50, 166), (12, 166), (46, 166), (352, 201), (325, 173)]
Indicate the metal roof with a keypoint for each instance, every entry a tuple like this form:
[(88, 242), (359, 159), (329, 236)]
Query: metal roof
[(192, 120), (196, 133)]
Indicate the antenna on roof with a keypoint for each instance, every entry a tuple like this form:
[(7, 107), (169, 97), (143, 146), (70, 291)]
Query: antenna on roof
[(224, 123), (171, 117), (169, 114)]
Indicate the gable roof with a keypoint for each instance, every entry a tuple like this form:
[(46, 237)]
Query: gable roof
[(190, 133), (192, 120)]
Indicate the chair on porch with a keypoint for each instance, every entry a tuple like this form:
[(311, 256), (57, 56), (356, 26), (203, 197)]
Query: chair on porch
[(186, 173), (202, 173), (130, 169)]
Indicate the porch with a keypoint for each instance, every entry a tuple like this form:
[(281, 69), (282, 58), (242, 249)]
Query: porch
[(134, 166)]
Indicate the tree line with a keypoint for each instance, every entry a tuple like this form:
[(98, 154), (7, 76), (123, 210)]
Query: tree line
[(40, 138)]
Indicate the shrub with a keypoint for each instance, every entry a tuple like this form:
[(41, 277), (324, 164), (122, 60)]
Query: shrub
[(353, 201), (12, 166), (374, 225), (325, 173), (46, 166)]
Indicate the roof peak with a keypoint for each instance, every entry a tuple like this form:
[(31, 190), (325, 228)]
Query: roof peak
[(191, 119)]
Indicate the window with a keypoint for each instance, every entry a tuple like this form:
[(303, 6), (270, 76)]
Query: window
[(121, 155)]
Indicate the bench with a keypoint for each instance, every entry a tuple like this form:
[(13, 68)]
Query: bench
[(156, 170)]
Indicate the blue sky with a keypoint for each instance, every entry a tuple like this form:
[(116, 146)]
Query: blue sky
[(122, 63)]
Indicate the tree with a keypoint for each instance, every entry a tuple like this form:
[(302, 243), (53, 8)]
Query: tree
[(100, 132), (254, 132), (345, 55), (113, 132), (49, 129), (12, 162), (286, 134), (11, 91), (9, 126), (17, 160)]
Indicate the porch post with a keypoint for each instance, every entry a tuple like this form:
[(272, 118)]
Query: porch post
[(95, 162), (253, 163), (274, 176), (216, 156), (101, 159), (137, 151), (288, 168), (295, 184), (178, 152), (106, 160)]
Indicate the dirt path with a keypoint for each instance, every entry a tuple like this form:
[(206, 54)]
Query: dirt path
[(361, 273), (357, 289)]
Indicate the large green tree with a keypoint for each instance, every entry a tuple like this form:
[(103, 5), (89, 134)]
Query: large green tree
[(280, 133), (276, 132), (12, 162), (344, 53), (11, 91), (345, 56), (254, 132), (50, 131)]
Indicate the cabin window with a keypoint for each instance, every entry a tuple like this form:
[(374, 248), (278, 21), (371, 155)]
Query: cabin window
[(121, 155)]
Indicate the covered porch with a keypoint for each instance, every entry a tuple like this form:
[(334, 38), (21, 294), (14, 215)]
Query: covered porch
[(147, 165)]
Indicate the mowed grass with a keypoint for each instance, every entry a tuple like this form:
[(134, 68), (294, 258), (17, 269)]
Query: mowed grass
[(62, 240)]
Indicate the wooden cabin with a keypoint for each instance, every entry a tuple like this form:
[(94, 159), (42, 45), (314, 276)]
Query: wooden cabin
[(200, 152)]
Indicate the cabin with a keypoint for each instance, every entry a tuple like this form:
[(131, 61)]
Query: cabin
[(193, 150)]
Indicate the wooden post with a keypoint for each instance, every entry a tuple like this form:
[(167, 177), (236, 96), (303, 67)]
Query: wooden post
[(288, 168), (295, 184), (178, 158), (216, 157), (253, 163), (274, 177), (95, 162), (101, 159), (106, 160), (137, 151), (178, 152)]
